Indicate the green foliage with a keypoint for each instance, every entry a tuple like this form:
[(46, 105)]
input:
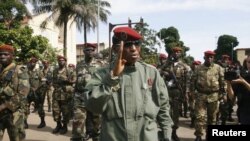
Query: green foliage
[(225, 45), (25, 44), (171, 38), (148, 50), (12, 12)]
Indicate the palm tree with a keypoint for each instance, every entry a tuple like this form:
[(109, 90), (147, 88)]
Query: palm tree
[(60, 11), (89, 19)]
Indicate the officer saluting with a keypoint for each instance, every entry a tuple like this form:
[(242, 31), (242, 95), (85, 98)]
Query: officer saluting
[(132, 97)]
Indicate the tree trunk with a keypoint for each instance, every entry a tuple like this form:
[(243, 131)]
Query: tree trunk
[(65, 38)]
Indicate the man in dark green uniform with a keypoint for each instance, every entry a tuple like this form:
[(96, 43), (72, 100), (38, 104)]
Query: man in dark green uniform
[(131, 96)]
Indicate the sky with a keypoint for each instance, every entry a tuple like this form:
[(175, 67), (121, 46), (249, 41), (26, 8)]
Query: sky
[(199, 22)]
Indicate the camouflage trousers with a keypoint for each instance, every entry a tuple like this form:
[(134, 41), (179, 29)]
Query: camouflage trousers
[(174, 96), (61, 110), (203, 108), (13, 122), (83, 118), (49, 93), (79, 119)]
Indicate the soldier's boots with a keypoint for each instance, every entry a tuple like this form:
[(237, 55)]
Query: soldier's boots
[(198, 138), (64, 129), (58, 127), (26, 126), (174, 136), (42, 124)]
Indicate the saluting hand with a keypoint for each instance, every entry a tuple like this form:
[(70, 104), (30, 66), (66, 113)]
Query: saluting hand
[(120, 62)]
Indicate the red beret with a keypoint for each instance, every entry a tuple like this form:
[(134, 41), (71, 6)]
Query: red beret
[(209, 53), (163, 56), (33, 59), (7, 48), (90, 45), (59, 57), (196, 62), (130, 34), (176, 49), (225, 56)]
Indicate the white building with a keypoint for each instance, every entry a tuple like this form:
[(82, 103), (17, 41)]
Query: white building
[(55, 35)]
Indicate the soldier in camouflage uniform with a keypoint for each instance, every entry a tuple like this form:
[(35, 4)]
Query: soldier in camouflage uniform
[(84, 70), (63, 81), (35, 77), (208, 81), (191, 97), (132, 97), (176, 74), (48, 74), (14, 88)]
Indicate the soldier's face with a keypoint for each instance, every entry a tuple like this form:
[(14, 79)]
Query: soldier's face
[(61, 62), (89, 51), (131, 53), (209, 59), (5, 58)]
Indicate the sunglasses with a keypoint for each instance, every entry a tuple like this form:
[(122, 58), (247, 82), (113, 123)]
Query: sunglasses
[(128, 44), (4, 53)]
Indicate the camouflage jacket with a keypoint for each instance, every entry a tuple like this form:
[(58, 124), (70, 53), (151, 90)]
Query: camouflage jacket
[(63, 82), (208, 79), (84, 71), (35, 76), (14, 86), (136, 102), (176, 75)]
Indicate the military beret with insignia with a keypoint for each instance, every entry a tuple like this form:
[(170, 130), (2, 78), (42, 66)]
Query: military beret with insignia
[(125, 34)]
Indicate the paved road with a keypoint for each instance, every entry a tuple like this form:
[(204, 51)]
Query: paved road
[(34, 134)]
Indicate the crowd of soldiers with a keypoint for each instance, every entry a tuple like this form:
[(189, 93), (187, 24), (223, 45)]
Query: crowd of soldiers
[(24, 85), (197, 88)]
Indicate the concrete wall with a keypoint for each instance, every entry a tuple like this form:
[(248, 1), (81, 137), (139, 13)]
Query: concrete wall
[(55, 35)]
